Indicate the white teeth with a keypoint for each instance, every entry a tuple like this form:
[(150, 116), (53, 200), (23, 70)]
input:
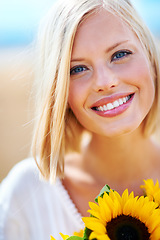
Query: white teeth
[(101, 108), (124, 99), (127, 98), (105, 108), (120, 101), (115, 104), (110, 106)]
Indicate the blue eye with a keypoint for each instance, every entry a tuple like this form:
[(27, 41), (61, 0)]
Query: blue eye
[(120, 54), (77, 69)]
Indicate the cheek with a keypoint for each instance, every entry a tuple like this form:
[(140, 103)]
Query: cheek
[(76, 95), (76, 101), (146, 85), (141, 77), (146, 81)]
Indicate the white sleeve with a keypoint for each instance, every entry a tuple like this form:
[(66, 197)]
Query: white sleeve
[(13, 223), (31, 209)]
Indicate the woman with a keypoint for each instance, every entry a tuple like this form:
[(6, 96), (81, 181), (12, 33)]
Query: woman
[(98, 75)]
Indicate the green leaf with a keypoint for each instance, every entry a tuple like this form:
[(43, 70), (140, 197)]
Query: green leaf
[(106, 189), (74, 238), (87, 232)]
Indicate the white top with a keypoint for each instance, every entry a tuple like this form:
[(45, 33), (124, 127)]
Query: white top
[(31, 209)]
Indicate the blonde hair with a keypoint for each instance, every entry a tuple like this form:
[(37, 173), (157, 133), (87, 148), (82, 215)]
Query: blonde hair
[(57, 130)]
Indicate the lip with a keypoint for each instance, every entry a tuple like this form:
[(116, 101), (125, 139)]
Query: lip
[(110, 99)]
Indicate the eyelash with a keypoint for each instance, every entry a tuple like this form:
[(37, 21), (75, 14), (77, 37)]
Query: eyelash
[(74, 70), (80, 68), (124, 52)]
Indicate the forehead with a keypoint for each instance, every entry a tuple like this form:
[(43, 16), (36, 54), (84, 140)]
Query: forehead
[(102, 24)]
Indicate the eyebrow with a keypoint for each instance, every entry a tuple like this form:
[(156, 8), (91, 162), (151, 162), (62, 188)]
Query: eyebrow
[(77, 60), (116, 45), (107, 50)]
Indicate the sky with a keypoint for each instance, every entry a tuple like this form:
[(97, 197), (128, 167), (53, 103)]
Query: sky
[(19, 19), (150, 12)]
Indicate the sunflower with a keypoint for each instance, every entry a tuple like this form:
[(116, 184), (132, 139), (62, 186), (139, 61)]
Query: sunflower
[(152, 191), (123, 217)]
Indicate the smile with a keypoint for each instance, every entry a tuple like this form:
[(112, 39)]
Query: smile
[(115, 107), (115, 104)]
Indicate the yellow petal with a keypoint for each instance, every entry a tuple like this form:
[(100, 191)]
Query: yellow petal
[(94, 224), (94, 206), (98, 237), (52, 238), (94, 213), (156, 234), (153, 221), (79, 234), (64, 236)]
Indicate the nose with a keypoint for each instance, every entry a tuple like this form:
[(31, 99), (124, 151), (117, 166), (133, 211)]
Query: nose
[(104, 79)]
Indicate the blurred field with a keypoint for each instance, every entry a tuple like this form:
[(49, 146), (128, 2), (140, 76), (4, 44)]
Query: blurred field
[(16, 107)]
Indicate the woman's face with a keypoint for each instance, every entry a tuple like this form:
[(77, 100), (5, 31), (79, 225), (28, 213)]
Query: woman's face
[(111, 86)]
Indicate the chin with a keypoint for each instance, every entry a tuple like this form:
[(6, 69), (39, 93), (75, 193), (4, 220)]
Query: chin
[(117, 131)]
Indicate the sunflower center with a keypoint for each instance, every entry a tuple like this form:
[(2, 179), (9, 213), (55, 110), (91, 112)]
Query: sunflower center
[(127, 228)]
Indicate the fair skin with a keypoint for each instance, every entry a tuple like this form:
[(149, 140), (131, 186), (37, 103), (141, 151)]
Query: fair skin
[(111, 92)]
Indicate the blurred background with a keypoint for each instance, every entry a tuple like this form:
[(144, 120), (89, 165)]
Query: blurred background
[(19, 20)]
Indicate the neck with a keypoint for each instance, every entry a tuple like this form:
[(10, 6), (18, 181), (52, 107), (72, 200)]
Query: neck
[(119, 161)]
